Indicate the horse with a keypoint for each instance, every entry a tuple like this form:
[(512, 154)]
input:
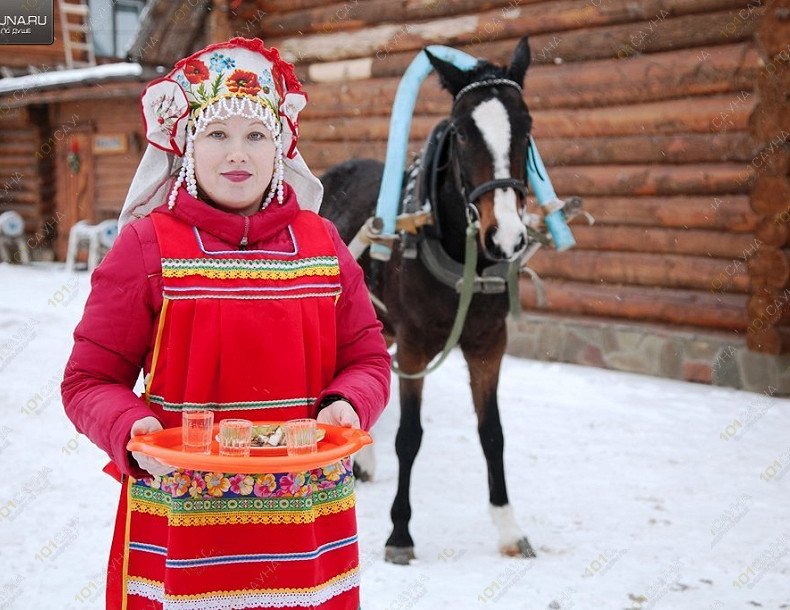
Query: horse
[(476, 169)]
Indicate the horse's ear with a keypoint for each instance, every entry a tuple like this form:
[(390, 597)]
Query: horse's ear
[(520, 62), (452, 79)]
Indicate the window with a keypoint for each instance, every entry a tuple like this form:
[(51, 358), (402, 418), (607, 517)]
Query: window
[(114, 24)]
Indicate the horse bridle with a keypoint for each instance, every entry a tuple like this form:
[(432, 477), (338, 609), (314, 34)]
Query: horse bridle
[(498, 183)]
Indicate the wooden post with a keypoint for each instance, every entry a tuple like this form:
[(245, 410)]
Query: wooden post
[(769, 124)]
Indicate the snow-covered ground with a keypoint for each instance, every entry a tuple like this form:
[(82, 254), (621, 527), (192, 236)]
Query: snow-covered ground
[(633, 490)]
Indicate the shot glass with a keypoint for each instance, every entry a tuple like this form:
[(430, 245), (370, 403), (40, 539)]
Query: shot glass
[(196, 427), (235, 437), (301, 436)]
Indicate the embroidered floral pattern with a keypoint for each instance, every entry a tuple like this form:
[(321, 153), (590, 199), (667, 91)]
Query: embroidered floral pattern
[(167, 112), (266, 82), (220, 62), (242, 81), (242, 484), (200, 485), (195, 71), (217, 484), (218, 73), (265, 484)]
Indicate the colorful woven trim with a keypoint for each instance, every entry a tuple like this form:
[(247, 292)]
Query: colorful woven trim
[(283, 403), (250, 269), (245, 598), (189, 498), (255, 295)]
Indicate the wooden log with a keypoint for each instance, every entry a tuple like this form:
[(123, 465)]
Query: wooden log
[(591, 84), (635, 180), (730, 213), (767, 305), (670, 271), (647, 304), (694, 242), (770, 120), (355, 14), (773, 231), (612, 180), (26, 165), (30, 182), (765, 341), (343, 129), (677, 148), (577, 46), (773, 80), (20, 149), (331, 153), (700, 115), (770, 194), (769, 268), (681, 148), (774, 29), (28, 133), (773, 161), (490, 25), (286, 6), (23, 198)]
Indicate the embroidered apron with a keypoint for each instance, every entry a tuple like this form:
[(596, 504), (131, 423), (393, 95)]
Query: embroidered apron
[(247, 334)]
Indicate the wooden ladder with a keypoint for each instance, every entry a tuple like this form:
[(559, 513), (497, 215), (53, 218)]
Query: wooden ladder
[(79, 52)]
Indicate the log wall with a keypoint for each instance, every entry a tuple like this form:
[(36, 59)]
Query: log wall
[(27, 173), (101, 195), (653, 112)]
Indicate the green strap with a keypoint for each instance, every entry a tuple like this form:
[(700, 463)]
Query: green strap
[(467, 290), (512, 289)]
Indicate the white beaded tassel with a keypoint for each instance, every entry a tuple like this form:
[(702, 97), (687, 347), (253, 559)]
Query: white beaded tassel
[(223, 109)]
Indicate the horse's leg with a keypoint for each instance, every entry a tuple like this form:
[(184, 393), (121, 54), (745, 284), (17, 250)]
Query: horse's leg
[(400, 546), (484, 365)]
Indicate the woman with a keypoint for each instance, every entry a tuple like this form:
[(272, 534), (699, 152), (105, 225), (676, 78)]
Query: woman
[(231, 294)]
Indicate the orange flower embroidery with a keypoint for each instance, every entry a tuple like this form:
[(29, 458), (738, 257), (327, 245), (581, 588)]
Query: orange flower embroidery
[(242, 81), (195, 71)]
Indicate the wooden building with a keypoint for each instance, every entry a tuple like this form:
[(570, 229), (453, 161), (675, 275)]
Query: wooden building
[(670, 119)]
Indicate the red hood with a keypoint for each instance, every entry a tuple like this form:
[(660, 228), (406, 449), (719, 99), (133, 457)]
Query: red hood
[(229, 226)]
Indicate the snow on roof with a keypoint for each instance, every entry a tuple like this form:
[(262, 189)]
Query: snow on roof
[(43, 80)]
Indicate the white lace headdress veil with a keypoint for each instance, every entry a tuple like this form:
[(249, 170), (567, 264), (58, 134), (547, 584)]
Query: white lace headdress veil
[(237, 77)]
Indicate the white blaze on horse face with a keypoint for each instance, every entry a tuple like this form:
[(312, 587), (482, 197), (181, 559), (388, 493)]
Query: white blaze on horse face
[(492, 119)]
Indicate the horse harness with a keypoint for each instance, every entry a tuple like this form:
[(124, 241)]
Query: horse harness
[(423, 238)]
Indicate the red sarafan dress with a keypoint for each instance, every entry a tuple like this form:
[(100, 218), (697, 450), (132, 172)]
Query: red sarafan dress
[(252, 334)]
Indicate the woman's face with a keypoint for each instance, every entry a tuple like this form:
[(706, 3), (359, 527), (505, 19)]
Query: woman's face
[(240, 145)]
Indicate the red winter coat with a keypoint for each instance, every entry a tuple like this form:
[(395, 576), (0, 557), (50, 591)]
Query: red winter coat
[(115, 337)]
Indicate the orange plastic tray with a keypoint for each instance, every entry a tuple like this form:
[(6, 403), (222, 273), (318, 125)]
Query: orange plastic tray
[(166, 446)]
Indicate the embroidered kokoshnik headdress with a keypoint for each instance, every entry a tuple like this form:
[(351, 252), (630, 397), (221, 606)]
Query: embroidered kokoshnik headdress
[(238, 77)]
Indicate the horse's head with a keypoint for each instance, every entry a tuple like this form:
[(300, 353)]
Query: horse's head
[(491, 125)]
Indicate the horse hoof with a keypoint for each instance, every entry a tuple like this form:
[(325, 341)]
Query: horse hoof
[(520, 548), (399, 555), (360, 474)]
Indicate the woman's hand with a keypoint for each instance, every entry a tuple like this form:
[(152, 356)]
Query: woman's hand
[(146, 425), (339, 413)]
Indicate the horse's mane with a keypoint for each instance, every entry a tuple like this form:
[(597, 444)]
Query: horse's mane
[(484, 70)]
